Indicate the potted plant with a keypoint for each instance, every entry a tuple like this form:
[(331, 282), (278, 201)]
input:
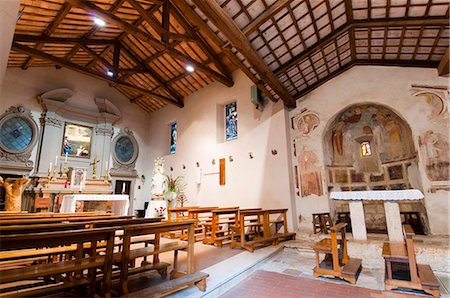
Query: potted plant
[(173, 186)]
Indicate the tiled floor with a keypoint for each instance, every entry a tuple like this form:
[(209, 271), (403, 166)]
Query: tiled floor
[(262, 284)]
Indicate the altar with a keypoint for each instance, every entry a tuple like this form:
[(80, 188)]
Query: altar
[(120, 203), (391, 209)]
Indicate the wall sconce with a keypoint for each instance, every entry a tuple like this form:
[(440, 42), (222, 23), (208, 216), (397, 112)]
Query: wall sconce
[(213, 162), (250, 155), (230, 158), (197, 164), (184, 167), (171, 169), (274, 152)]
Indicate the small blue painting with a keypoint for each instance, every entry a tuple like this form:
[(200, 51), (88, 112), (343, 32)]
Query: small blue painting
[(231, 121), (173, 138)]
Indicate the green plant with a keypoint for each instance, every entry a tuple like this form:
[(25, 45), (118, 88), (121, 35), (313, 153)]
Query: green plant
[(174, 185)]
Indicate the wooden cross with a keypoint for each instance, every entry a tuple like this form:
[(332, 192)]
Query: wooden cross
[(94, 167)]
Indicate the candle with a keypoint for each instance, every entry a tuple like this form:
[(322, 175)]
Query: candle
[(81, 185), (123, 187), (56, 160), (65, 159), (51, 164)]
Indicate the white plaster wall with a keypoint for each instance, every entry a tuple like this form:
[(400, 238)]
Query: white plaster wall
[(8, 16), (259, 182), (22, 87), (390, 86)]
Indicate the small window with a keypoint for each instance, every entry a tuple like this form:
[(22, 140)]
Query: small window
[(231, 130), (173, 138), (365, 149)]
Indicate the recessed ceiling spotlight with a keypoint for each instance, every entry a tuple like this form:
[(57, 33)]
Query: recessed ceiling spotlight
[(99, 22), (110, 73), (190, 68)]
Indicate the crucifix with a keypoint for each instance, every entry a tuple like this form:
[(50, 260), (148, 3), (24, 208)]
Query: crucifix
[(94, 167)]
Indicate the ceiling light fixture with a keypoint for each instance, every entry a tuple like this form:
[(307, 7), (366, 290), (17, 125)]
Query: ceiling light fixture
[(99, 22), (110, 73), (190, 68)]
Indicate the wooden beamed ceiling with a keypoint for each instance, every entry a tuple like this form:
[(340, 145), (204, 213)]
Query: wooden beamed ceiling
[(286, 47)]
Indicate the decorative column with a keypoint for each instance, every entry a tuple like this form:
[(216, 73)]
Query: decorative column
[(358, 220), (393, 220), (103, 133), (51, 138)]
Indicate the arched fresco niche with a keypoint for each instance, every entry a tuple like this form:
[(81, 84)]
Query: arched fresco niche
[(369, 147)]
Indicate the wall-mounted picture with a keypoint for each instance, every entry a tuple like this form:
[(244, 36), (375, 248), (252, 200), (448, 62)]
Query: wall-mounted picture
[(173, 138), (78, 178), (77, 140)]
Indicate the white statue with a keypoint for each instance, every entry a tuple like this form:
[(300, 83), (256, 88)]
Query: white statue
[(158, 179)]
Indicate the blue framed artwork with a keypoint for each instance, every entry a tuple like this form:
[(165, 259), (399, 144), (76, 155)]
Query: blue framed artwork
[(173, 138), (231, 130)]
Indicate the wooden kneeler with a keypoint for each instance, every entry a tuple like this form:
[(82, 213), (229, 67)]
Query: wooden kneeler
[(402, 271), (336, 263)]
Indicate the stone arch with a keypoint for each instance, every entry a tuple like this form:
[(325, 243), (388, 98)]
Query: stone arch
[(368, 146)]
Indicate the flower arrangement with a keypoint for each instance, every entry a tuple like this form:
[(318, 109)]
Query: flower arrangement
[(160, 211), (174, 185)]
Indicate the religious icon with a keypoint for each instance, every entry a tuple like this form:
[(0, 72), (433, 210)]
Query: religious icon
[(173, 138), (78, 178), (365, 149), (77, 140)]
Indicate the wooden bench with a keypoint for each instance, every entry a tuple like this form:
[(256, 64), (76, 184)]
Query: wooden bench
[(123, 259), (336, 263), (29, 221), (77, 270), (277, 219), (219, 231), (249, 229), (402, 271), (321, 222), (176, 214), (201, 216)]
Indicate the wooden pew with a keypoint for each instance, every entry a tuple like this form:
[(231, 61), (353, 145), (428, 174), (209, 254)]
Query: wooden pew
[(277, 220), (402, 271), (177, 214), (66, 273), (27, 221), (51, 215), (128, 254), (336, 263), (201, 216), (249, 230), (219, 231)]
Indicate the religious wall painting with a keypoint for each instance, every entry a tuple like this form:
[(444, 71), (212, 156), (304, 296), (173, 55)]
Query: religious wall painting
[(306, 122), (231, 128), (77, 140), (310, 174), (78, 178), (173, 138), (435, 149), (437, 98)]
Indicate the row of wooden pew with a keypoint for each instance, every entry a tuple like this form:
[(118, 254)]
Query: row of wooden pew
[(402, 271), (43, 253), (244, 228)]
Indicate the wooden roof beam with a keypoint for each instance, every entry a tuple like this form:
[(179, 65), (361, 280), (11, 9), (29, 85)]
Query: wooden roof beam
[(165, 20), (96, 57), (131, 29), (62, 40), (228, 27), (359, 24), (444, 65), (75, 67)]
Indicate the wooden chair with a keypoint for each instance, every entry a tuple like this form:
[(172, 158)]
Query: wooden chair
[(336, 262), (321, 222), (402, 271), (77, 269), (219, 231)]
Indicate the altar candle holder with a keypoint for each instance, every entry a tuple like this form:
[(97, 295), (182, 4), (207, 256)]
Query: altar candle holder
[(54, 173), (106, 177), (49, 175), (64, 175)]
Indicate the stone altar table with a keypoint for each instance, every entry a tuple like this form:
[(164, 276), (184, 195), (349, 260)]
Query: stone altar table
[(391, 209), (120, 203)]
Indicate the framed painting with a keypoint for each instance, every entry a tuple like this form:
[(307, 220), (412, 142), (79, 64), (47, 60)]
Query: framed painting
[(78, 177), (77, 140), (173, 138), (231, 129)]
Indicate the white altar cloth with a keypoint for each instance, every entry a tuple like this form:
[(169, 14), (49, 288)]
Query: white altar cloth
[(120, 203), (378, 195)]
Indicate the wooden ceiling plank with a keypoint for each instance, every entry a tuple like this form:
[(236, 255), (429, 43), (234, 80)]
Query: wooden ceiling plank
[(96, 56), (268, 13), (432, 21), (238, 40), (443, 67), (154, 74), (435, 43), (49, 30), (75, 67), (131, 29)]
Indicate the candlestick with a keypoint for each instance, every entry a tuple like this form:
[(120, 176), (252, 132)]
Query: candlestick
[(64, 175), (54, 172)]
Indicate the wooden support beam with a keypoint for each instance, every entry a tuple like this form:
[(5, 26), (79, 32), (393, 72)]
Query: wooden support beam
[(178, 97), (116, 56), (75, 67), (358, 24), (62, 40), (444, 65), (96, 56), (228, 27), (131, 29), (165, 20), (49, 30)]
